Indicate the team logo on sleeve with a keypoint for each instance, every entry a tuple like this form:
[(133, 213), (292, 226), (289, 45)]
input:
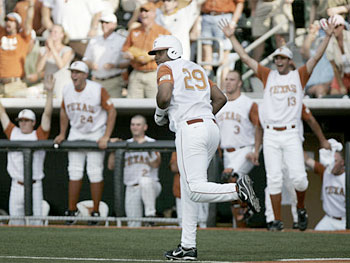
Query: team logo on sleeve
[(165, 77)]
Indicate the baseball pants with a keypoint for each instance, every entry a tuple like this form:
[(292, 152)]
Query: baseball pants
[(203, 212), (328, 223), (16, 202), (94, 165), (145, 193), (196, 145), (284, 147)]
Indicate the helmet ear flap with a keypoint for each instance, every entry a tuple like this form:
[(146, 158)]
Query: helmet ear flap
[(172, 53)]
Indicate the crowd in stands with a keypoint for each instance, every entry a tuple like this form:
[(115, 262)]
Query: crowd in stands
[(107, 42), (113, 37)]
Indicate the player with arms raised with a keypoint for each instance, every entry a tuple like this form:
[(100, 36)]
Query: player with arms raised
[(189, 100)]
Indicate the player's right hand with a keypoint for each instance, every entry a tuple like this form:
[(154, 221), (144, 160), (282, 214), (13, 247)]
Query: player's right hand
[(160, 116), (59, 138)]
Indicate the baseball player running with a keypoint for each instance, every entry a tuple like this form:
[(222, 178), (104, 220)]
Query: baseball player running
[(237, 120), (279, 114), (189, 100), (25, 132), (332, 175), (86, 106)]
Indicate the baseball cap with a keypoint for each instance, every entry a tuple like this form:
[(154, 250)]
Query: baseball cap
[(26, 114), (15, 17), (283, 51), (79, 66), (148, 6), (109, 18)]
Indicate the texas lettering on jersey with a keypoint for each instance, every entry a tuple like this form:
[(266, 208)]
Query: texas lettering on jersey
[(334, 190), (278, 89), (137, 159), (229, 116), (77, 106)]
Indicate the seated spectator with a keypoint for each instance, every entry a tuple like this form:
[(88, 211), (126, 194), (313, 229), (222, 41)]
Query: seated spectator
[(55, 56), (103, 55), (14, 43), (143, 78), (140, 175), (79, 19), (21, 9), (322, 75), (26, 132), (179, 21), (338, 53)]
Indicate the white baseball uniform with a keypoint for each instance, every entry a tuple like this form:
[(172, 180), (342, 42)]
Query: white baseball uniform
[(288, 191), (87, 114), (15, 169), (142, 184), (197, 138), (237, 120), (333, 199), (279, 114)]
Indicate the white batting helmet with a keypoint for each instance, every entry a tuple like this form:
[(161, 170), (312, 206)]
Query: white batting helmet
[(169, 42)]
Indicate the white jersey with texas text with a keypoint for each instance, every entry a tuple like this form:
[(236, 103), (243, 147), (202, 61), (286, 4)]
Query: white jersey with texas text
[(191, 93), (282, 101), (86, 115), (137, 165), (236, 129)]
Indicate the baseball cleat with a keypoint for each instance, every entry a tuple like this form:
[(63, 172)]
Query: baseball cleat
[(276, 225), (71, 213), (94, 214), (302, 219), (246, 193), (181, 253), (295, 225)]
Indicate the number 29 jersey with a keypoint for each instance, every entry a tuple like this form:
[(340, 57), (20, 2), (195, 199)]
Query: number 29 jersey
[(191, 93)]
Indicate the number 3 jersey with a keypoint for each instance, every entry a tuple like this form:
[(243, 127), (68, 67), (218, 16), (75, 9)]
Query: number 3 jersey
[(283, 95), (191, 93), (86, 110)]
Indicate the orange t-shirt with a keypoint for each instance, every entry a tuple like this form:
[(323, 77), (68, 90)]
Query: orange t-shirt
[(143, 40), (220, 6), (21, 9), (13, 51)]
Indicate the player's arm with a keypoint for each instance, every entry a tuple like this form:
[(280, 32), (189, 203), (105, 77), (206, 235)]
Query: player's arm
[(64, 122), (46, 17), (311, 63), (315, 166), (218, 98), (49, 83), (155, 162), (237, 14), (254, 156), (111, 117), (5, 120), (228, 30), (315, 127)]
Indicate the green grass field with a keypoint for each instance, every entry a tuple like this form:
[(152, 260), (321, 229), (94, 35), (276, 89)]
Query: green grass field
[(100, 244)]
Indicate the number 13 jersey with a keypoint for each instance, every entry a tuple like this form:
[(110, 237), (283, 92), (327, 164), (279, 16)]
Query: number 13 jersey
[(191, 94)]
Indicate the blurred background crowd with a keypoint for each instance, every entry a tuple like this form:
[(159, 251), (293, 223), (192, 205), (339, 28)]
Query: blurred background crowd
[(40, 37)]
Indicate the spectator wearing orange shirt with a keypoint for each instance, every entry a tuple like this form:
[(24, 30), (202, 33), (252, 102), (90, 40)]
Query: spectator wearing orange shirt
[(14, 47), (142, 80)]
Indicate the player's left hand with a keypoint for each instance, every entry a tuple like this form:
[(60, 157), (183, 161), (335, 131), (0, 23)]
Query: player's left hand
[(102, 142), (253, 157), (160, 116), (49, 82), (227, 27)]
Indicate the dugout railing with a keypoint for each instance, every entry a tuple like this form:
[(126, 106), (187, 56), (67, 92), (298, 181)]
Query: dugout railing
[(28, 148)]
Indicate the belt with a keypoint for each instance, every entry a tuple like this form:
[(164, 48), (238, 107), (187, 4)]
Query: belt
[(213, 13), (102, 79), (9, 80), (21, 183), (197, 120), (283, 128), (336, 218)]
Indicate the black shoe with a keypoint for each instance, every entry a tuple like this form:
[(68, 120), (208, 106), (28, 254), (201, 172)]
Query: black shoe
[(181, 253), (302, 219), (94, 214), (71, 213), (268, 225), (277, 225), (247, 194), (295, 225)]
